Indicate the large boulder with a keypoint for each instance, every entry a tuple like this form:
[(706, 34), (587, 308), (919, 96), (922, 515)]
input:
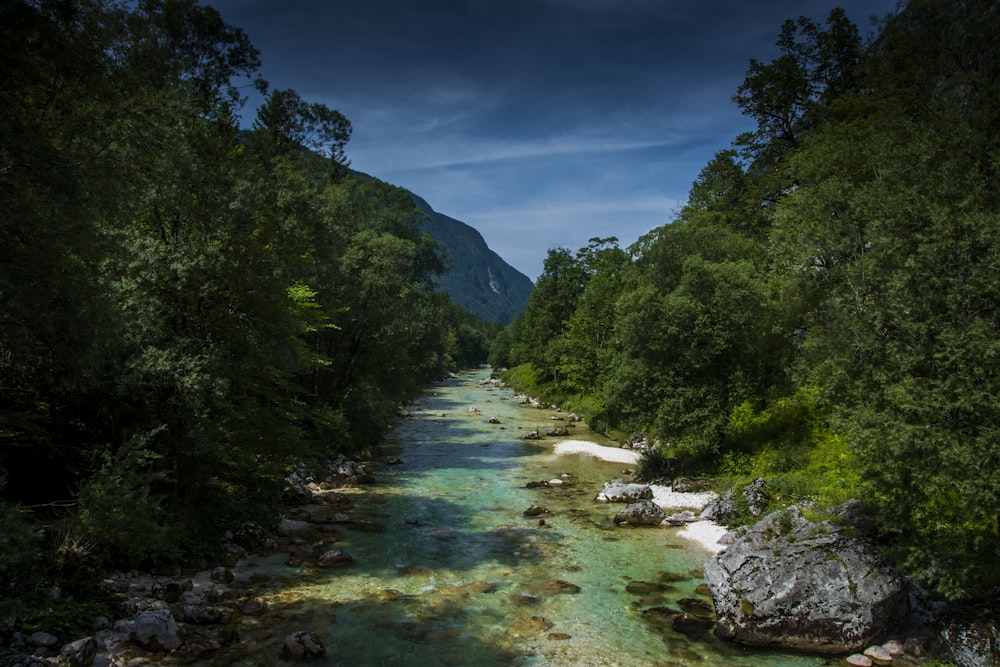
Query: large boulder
[(641, 513), (156, 631), (810, 586), (620, 491), (972, 636)]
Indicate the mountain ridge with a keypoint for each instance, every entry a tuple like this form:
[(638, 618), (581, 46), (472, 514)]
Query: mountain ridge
[(477, 279)]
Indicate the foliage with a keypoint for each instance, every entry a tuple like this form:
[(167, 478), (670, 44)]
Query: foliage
[(654, 464), (186, 306), (824, 311)]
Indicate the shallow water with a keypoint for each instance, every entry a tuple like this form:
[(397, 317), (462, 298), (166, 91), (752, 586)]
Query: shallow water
[(461, 577)]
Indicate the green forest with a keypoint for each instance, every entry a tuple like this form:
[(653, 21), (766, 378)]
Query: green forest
[(186, 307), (191, 302), (824, 312)]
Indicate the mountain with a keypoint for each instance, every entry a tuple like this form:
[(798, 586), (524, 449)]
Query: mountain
[(479, 280)]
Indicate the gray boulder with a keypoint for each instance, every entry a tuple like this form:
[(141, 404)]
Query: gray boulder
[(641, 513), (972, 636), (621, 491), (80, 653), (156, 631), (811, 586), (726, 507)]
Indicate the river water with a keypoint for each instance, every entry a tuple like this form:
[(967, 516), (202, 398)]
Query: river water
[(460, 576)]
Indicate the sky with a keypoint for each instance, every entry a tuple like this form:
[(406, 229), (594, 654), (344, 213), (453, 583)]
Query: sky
[(541, 123)]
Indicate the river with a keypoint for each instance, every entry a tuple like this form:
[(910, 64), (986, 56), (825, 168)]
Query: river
[(460, 576)]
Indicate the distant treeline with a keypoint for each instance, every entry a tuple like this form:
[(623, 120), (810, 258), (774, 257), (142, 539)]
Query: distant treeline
[(825, 310), (186, 307)]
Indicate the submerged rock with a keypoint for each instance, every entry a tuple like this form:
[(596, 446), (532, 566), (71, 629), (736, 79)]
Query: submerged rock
[(303, 646), (805, 585), (335, 558)]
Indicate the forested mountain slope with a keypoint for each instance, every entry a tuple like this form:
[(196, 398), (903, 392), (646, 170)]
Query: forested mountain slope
[(477, 279)]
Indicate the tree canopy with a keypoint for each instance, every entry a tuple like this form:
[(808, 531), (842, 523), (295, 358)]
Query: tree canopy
[(824, 310), (187, 307)]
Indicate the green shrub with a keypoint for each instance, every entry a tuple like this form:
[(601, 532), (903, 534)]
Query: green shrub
[(654, 464)]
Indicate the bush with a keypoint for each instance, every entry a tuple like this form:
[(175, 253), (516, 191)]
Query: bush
[(654, 464)]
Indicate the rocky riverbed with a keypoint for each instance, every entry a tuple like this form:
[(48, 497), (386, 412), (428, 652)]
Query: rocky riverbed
[(466, 543)]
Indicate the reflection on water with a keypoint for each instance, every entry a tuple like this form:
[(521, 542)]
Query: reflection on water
[(459, 575)]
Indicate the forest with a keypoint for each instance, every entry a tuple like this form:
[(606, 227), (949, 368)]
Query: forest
[(824, 310), (187, 307)]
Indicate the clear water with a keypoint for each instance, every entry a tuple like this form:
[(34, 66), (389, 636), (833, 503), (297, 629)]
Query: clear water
[(461, 577)]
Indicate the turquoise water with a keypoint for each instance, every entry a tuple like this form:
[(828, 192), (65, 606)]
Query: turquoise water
[(460, 576)]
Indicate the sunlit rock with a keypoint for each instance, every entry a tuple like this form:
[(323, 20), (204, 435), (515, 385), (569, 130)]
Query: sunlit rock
[(641, 513), (816, 586), (621, 491)]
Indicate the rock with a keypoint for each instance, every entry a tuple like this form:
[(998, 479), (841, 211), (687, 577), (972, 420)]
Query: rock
[(222, 575), (621, 491), (641, 513), (250, 536), (530, 626), (524, 600), (80, 653), (559, 586), (394, 461), (169, 590), (894, 647), (557, 432), (688, 485), (555, 481), (296, 491), (291, 527), (878, 654), (757, 496), (254, 606), (559, 636), (199, 615), (681, 518), (532, 435), (793, 583), (692, 625), (858, 660), (303, 646), (972, 636), (156, 631), (536, 510), (726, 507), (335, 558), (42, 640), (644, 587)]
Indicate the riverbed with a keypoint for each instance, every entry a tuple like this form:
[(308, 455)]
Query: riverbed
[(455, 573)]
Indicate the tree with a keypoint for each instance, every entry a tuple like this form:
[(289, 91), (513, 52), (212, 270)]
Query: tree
[(891, 231)]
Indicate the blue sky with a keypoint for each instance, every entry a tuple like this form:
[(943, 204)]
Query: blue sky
[(541, 123)]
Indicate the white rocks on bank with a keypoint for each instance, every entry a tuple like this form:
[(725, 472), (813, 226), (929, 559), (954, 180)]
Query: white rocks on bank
[(704, 533), (612, 454)]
